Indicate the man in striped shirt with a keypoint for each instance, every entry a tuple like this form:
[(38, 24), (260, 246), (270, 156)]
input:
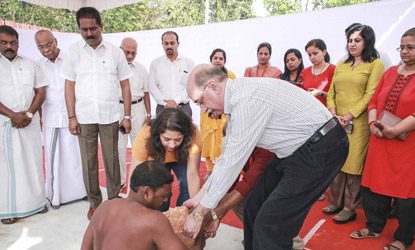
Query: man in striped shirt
[(310, 145)]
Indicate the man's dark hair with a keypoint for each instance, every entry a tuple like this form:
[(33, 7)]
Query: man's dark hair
[(153, 174), (88, 12), (170, 32), (172, 119), (410, 32), (6, 29)]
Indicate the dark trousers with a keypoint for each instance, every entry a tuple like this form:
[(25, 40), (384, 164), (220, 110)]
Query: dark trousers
[(180, 170), (280, 201), (184, 107), (88, 143), (377, 208)]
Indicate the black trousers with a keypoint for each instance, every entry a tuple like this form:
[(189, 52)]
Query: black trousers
[(280, 201), (377, 208)]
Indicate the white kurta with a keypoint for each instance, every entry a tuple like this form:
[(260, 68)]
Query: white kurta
[(22, 190), (64, 181)]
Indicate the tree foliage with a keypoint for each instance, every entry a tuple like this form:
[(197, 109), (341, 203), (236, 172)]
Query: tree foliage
[(280, 7), (156, 14), (144, 15), (322, 4)]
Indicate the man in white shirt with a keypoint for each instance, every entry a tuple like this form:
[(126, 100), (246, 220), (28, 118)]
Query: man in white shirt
[(22, 91), (64, 181), (94, 70), (168, 76), (140, 105), (310, 146)]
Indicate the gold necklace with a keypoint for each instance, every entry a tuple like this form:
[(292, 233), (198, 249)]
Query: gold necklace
[(321, 70)]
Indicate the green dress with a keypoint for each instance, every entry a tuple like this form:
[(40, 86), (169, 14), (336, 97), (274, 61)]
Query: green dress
[(350, 91)]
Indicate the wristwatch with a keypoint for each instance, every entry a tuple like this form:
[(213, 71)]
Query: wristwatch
[(214, 215), (198, 216), (128, 117), (28, 114)]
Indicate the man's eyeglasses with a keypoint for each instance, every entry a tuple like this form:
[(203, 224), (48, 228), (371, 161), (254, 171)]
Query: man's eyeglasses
[(199, 101), (408, 47), (46, 46)]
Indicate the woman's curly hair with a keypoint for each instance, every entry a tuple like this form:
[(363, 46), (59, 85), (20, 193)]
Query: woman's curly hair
[(175, 120)]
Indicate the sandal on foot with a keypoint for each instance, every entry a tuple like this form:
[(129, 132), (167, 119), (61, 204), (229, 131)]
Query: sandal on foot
[(394, 247), (9, 221), (344, 216), (331, 209), (364, 233)]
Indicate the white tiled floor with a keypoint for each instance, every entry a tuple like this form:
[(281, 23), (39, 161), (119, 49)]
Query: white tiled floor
[(63, 229)]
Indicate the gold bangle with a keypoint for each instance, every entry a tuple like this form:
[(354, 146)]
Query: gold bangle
[(72, 118), (198, 216)]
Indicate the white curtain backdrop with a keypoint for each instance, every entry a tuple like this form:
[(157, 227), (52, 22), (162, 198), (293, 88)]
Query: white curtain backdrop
[(389, 19)]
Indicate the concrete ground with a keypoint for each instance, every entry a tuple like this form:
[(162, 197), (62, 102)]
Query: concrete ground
[(63, 229)]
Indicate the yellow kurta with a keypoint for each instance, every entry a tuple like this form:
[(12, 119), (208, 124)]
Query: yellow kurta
[(211, 134), (350, 91)]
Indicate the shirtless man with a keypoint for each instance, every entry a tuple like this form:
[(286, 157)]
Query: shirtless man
[(135, 222)]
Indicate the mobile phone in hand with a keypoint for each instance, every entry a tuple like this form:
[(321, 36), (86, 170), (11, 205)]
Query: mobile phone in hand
[(349, 128), (122, 130)]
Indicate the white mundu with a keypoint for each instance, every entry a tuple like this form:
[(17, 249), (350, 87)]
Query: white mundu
[(22, 190), (138, 85), (64, 181)]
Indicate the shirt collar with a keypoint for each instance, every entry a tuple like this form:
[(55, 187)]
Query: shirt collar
[(58, 58), (14, 59), (102, 44), (179, 57), (134, 64)]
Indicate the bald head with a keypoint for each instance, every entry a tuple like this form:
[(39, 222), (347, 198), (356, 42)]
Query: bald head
[(47, 44), (206, 86), (129, 46)]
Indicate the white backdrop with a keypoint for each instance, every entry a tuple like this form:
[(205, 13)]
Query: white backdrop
[(240, 39)]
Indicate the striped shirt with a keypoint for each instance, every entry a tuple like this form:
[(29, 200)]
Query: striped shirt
[(267, 113)]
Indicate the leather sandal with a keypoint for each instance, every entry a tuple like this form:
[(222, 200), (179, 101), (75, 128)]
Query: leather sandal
[(9, 221), (331, 209), (344, 216), (364, 233), (394, 247)]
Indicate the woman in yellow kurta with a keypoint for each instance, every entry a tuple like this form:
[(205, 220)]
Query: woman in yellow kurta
[(354, 82), (211, 124)]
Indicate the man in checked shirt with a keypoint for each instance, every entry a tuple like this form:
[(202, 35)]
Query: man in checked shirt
[(311, 146)]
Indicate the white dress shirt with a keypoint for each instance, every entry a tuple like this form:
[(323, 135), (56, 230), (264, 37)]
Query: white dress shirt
[(167, 80), (138, 81), (18, 80), (267, 113), (97, 74), (54, 112)]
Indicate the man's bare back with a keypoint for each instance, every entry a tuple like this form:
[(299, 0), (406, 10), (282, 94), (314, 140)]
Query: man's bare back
[(132, 223)]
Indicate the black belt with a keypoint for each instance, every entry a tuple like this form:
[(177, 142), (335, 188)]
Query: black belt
[(134, 102), (323, 130)]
